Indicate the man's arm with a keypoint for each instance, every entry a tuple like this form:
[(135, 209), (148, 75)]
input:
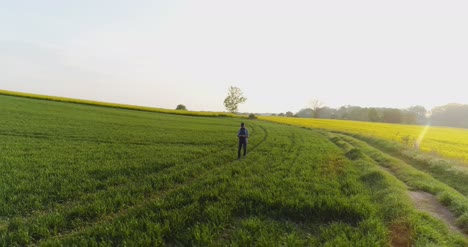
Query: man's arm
[(246, 133)]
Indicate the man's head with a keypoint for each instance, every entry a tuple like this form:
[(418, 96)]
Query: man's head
[(242, 125)]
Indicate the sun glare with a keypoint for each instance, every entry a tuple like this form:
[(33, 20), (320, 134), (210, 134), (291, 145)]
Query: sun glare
[(422, 135)]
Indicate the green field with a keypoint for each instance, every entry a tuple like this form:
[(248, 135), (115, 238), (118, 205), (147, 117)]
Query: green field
[(439, 151), (447, 142), (74, 174), (118, 106)]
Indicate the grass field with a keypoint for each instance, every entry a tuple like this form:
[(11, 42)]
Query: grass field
[(443, 151), (448, 142), (119, 106), (86, 175)]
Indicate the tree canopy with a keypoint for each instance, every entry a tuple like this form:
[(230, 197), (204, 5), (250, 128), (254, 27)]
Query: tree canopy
[(234, 98), (181, 107), (453, 115)]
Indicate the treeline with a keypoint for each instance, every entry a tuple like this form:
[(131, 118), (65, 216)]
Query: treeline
[(451, 115)]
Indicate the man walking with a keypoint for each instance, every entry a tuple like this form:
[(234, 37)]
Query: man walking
[(243, 134)]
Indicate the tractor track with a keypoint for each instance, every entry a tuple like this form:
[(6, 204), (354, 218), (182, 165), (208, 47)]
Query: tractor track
[(423, 201), (121, 212)]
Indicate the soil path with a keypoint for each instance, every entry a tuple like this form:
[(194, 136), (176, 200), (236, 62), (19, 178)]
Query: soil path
[(425, 202), (428, 203)]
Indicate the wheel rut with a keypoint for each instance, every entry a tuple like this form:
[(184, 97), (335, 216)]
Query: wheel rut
[(423, 201), (428, 203), (122, 212)]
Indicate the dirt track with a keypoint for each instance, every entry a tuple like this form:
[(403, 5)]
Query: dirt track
[(428, 203)]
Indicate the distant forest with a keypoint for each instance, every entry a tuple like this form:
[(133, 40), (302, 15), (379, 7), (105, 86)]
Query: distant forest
[(451, 115)]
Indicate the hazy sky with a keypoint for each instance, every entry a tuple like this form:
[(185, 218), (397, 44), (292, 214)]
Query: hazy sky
[(282, 54)]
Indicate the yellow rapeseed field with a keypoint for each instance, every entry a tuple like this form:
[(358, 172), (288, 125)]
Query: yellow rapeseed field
[(447, 142)]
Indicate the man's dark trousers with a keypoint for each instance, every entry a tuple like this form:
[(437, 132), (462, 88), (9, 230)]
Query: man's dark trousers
[(242, 143)]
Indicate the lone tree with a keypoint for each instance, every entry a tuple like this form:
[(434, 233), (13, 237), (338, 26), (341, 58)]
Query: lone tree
[(181, 107), (316, 106), (233, 99)]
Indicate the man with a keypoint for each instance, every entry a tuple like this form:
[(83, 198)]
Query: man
[(243, 134)]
